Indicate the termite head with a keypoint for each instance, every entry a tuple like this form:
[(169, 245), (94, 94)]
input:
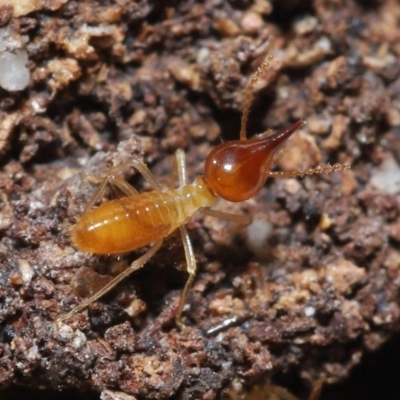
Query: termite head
[(237, 170)]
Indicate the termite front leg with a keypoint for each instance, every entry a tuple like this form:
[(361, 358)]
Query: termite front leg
[(180, 166)]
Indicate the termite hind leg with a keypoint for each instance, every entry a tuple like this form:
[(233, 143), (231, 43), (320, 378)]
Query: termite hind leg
[(97, 195), (242, 220), (125, 187), (143, 169), (109, 178), (120, 183), (137, 264)]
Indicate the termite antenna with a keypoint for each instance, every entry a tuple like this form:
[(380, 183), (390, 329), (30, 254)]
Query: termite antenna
[(249, 93), (321, 169)]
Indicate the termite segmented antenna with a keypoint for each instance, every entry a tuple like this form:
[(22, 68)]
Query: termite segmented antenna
[(321, 169), (249, 93)]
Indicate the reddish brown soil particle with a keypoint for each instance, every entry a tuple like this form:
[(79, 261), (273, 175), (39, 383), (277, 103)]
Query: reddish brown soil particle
[(114, 81)]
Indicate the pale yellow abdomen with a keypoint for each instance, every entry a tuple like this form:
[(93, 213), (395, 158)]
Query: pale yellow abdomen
[(132, 222)]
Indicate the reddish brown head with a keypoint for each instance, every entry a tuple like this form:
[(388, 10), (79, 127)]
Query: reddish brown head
[(237, 170)]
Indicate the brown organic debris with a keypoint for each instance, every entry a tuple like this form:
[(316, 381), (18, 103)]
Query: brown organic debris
[(310, 288)]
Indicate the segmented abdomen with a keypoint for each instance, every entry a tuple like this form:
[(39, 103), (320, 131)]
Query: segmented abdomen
[(125, 224), (131, 222)]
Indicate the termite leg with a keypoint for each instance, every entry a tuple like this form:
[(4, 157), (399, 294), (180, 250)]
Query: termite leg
[(137, 264), (97, 195), (126, 188), (109, 178), (242, 220), (120, 183), (142, 168), (178, 169), (180, 166), (191, 266), (110, 172)]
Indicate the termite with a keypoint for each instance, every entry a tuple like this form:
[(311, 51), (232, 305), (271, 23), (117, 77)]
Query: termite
[(235, 171)]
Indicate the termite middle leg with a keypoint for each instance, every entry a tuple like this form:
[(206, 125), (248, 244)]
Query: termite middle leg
[(191, 266)]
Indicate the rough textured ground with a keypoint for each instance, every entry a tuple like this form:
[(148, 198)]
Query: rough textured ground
[(306, 291)]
